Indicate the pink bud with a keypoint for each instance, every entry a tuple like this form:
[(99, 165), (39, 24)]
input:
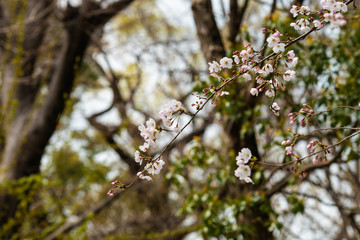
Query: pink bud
[(315, 160), (111, 193), (291, 114), (115, 182)]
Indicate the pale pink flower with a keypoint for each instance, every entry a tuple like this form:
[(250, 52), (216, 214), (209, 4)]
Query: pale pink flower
[(340, 6), (243, 172), (288, 75), (214, 67), (304, 10), (275, 108), (317, 24), (290, 54), (155, 168), (244, 155), (272, 40), (144, 147), (266, 70), (151, 123), (279, 47), (138, 157), (294, 10), (236, 59), (254, 91), (174, 105), (270, 93), (143, 177), (245, 55), (247, 76), (294, 61), (226, 62)]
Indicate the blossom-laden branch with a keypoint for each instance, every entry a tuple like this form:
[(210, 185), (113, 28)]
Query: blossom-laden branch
[(270, 78)]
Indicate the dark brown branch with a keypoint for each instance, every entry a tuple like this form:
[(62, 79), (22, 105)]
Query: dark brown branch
[(68, 226), (236, 18), (207, 30), (307, 168)]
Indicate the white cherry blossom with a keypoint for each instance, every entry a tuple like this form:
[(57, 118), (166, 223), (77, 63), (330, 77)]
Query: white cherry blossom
[(226, 62), (243, 172), (254, 91), (280, 47), (244, 155), (289, 75)]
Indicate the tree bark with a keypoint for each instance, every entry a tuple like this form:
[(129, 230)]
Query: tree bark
[(207, 30), (30, 125), (212, 47)]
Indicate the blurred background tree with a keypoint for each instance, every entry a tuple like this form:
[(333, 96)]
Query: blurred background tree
[(74, 88)]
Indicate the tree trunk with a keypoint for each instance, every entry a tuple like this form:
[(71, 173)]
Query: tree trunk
[(212, 47), (28, 119)]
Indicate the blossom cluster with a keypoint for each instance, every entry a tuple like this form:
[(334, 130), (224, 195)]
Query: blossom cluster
[(269, 76), (170, 113), (150, 132), (321, 156), (247, 61), (243, 171), (289, 149), (332, 12), (307, 112)]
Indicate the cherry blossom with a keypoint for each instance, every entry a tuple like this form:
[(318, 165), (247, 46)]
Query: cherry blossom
[(254, 91), (290, 54), (155, 167), (275, 108), (214, 67), (236, 59), (272, 41), (266, 70), (270, 93), (247, 76), (226, 62), (143, 177), (138, 157), (280, 47), (289, 75), (244, 155), (243, 172)]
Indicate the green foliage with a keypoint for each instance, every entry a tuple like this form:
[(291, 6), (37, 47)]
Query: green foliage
[(296, 205), (210, 190), (25, 190)]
